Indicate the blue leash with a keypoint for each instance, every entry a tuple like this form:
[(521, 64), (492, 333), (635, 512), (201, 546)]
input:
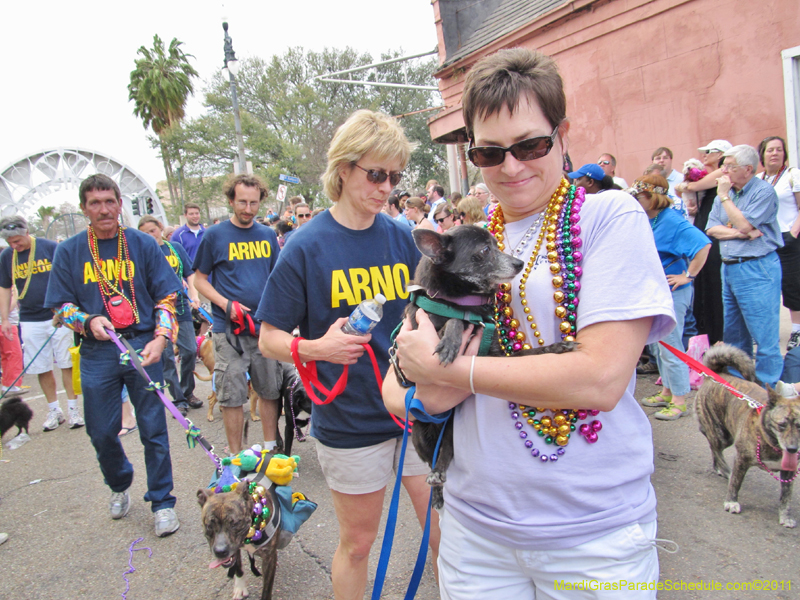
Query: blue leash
[(35, 356), (200, 309), (415, 408)]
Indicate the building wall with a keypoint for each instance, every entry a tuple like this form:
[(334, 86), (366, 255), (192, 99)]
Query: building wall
[(675, 73)]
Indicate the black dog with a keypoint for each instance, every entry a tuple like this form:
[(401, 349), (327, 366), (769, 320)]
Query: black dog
[(296, 406), (13, 412), (459, 268)]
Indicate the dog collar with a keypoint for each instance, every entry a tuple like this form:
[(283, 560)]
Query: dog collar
[(468, 300)]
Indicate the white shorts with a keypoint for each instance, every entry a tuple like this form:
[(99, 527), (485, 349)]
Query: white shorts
[(471, 566), (369, 469), (35, 334)]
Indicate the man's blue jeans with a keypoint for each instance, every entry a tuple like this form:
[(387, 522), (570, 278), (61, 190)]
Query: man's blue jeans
[(187, 346), (102, 378), (751, 296)]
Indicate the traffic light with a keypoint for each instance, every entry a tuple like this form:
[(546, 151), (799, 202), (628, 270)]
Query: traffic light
[(150, 209), (135, 208)]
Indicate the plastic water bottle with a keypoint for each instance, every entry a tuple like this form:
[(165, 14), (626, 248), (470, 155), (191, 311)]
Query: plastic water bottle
[(365, 316)]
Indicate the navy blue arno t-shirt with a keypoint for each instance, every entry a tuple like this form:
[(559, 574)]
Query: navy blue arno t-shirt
[(31, 307), (73, 280), (241, 260), (322, 275)]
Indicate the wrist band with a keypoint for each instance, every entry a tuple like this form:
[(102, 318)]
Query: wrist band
[(471, 371)]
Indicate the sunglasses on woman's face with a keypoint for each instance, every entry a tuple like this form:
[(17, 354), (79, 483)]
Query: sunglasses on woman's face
[(442, 219), (379, 175), (530, 149)]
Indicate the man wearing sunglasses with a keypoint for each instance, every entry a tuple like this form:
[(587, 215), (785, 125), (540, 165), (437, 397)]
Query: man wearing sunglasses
[(608, 163), (302, 215), (26, 263)]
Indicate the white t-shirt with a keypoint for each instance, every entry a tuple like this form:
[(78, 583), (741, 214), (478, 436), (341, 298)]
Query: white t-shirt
[(787, 185), (494, 486)]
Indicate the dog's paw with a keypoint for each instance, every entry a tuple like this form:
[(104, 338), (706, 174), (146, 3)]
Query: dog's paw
[(436, 478), (788, 521), (239, 589), (255, 417), (210, 418), (447, 353), (733, 507)]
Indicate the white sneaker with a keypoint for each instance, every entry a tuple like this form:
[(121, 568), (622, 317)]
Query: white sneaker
[(166, 522), (120, 504), (55, 417), (75, 418), (16, 390)]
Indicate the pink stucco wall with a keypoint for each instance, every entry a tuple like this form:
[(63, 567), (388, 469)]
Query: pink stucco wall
[(674, 73)]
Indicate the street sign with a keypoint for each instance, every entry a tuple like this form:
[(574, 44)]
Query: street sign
[(289, 178), (281, 193)]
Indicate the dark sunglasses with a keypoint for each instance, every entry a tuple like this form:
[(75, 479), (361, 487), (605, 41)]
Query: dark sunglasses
[(13, 227), (604, 162), (442, 220), (530, 149), (304, 216), (462, 215), (379, 175)]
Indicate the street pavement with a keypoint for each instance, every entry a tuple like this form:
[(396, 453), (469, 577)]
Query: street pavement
[(63, 544)]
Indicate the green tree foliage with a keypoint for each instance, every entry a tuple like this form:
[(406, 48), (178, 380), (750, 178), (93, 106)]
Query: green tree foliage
[(289, 117), (161, 82)]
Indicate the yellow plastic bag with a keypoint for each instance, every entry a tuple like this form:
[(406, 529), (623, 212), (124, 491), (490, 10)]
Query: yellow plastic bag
[(75, 354)]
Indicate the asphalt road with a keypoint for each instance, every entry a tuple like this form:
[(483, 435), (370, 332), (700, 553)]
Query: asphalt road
[(63, 544)]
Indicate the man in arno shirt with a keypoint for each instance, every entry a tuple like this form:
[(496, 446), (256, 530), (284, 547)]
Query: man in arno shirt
[(112, 277), (26, 263), (240, 253)]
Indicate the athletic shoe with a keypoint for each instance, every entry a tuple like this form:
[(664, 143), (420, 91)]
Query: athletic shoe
[(656, 400), (182, 407), (120, 504), (55, 417), (166, 522), (194, 402), (75, 418), (672, 412), (16, 390), (794, 340), (648, 368)]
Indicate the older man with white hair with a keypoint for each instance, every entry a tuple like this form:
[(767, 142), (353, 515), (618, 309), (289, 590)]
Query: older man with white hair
[(744, 219)]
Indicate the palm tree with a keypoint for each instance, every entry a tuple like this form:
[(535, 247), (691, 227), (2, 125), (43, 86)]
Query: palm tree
[(45, 213), (160, 85)]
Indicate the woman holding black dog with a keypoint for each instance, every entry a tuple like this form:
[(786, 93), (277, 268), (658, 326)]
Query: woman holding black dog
[(347, 254), (553, 455)]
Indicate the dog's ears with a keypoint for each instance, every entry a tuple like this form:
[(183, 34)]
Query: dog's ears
[(203, 495), (431, 244), (772, 396)]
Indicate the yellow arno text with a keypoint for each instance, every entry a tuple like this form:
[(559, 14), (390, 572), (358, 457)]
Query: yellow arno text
[(249, 250), (173, 261), (110, 269), (756, 585), (40, 266), (354, 285)]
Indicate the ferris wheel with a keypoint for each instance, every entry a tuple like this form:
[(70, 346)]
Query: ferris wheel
[(27, 181)]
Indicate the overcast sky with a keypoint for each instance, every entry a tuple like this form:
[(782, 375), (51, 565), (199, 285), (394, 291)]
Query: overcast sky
[(66, 65)]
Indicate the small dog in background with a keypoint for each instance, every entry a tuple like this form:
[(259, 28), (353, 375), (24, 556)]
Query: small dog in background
[(297, 406), (770, 439), (205, 352), (15, 412)]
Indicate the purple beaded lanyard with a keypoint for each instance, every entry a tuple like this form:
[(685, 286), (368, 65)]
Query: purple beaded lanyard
[(557, 429)]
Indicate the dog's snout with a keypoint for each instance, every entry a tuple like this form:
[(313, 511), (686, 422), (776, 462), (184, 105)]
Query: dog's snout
[(221, 547), (791, 449)]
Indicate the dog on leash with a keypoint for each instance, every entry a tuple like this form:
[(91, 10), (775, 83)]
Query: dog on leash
[(770, 438), (227, 517), (462, 269), (205, 352), (297, 406), (14, 412)]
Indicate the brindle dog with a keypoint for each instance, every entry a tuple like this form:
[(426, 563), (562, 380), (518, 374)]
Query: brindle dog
[(726, 420), (462, 263), (227, 517)]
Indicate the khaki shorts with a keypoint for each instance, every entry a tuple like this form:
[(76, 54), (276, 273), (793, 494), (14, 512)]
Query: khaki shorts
[(231, 368), (369, 469), (34, 336)]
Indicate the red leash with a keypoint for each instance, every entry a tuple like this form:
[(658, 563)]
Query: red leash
[(310, 379)]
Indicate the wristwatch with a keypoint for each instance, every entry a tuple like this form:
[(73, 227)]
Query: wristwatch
[(724, 199)]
